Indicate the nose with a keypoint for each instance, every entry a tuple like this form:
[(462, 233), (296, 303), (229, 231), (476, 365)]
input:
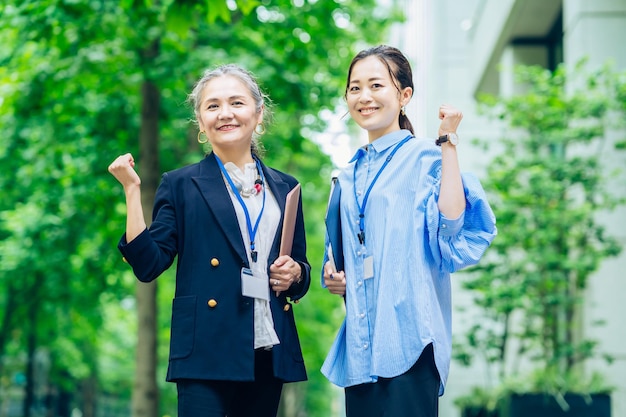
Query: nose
[(365, 96), (225, 112)]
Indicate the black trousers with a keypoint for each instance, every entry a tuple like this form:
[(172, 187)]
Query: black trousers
[(260, 398), (412, 394)]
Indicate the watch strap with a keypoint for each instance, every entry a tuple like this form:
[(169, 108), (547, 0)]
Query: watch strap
[(442, 139)]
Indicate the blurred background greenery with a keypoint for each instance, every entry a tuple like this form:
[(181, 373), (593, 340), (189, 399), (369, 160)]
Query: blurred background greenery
[(82, 81)]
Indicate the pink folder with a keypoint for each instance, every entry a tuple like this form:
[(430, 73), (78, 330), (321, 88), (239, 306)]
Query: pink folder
[(289, 221)]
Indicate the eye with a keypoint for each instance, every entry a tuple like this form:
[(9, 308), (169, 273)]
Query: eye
[(377, 85), (238, 103), (354, 88), (211, 106)]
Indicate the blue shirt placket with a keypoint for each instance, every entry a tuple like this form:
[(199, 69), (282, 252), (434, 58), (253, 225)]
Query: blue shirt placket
[(363, 288)]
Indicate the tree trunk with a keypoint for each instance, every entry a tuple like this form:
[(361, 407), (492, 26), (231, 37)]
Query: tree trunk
[(89, 392), (7, 327), (31, 346), (145, 398)]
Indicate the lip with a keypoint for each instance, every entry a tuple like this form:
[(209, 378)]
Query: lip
[(366, 111), (227, 127)]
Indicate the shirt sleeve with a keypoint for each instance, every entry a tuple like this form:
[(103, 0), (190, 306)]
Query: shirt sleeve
[(458, 243)]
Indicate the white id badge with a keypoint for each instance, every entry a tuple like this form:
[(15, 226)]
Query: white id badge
[(254, 287), (368, 267)]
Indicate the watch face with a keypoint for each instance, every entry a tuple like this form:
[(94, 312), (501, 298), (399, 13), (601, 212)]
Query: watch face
[(454, 139)]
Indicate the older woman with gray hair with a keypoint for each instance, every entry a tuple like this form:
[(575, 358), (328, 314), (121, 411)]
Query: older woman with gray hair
[(233, 334)]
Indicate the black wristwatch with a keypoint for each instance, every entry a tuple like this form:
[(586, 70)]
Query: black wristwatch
[(453, 138)]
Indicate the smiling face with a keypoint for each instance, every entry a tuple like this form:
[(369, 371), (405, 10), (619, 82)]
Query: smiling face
[(374, 100), (228, 114)]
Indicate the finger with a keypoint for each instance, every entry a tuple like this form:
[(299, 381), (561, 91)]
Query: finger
[(122, 161), (444, 109), (282, 260), (280, 269), (329, 269), (337, 291), (448, 110), (336, 285), (276, 285), (333, 277)]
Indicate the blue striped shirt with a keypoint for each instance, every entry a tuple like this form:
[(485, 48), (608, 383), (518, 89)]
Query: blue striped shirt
[(406, 305)]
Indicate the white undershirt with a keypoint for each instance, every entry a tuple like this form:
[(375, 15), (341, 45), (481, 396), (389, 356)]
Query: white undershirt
[(264, 333)]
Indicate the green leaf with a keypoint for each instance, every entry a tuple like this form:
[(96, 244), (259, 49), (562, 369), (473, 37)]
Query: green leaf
[(218, 9), (247, 6)]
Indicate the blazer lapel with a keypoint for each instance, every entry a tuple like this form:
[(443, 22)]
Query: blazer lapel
[(213, 189)]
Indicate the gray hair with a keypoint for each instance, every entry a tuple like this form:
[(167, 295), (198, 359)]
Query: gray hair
[(249, 80)]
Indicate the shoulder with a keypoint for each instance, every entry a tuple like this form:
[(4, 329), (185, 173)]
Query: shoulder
[(423, 154), (280, 176), (183, 172), (424, 146)]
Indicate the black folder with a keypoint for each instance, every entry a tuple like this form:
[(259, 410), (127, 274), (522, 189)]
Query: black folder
[(333, 226)]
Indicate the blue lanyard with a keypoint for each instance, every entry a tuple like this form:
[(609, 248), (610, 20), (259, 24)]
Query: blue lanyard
[(251, 230), (361, 234)]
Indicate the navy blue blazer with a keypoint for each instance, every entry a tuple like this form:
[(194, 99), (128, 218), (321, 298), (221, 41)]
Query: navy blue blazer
[(212, 331)]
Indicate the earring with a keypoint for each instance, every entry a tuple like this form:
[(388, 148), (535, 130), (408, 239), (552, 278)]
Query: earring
[(256, 129), (403, 111), (200, 141)]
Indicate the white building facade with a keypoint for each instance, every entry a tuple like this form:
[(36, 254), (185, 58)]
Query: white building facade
[(460, 48)]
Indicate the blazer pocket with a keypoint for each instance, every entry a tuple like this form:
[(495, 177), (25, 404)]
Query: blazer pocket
[(183, 326)]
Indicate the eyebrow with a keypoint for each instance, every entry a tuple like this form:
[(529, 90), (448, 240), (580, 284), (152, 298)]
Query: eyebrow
[(369, 80), (240, 97)]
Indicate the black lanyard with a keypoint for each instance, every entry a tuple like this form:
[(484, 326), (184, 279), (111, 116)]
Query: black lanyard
[(251, 230), (361, 234)]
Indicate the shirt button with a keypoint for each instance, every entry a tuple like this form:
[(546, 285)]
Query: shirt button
[(215, 262), (365, 345), (362, 315), (443, 226), (359, 283), (358, 253)]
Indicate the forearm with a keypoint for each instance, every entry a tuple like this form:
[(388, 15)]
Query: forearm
[(135, 222), (451, 194)]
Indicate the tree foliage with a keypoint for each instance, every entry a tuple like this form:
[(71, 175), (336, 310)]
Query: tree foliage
[(72, 74), (548, 188)]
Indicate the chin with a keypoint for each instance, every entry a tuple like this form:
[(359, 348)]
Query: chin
[(370, 125)]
